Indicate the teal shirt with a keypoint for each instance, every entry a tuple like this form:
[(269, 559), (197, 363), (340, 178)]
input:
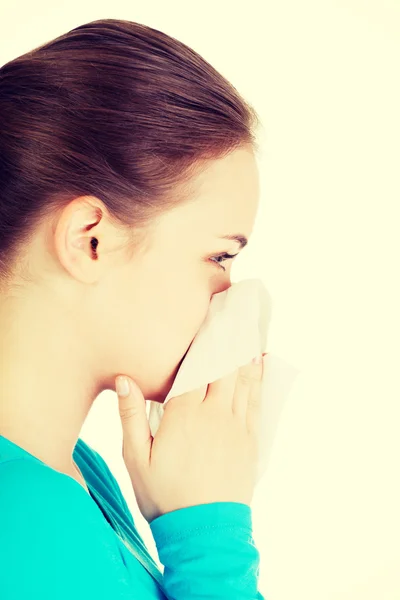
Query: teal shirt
[(57, 542)]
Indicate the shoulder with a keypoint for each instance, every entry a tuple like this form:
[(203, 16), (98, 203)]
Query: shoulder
[(54, 538), (32, 492)]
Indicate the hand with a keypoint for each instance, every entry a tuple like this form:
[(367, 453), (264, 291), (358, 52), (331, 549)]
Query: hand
[(205, 449)]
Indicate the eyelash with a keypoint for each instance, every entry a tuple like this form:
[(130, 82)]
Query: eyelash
[(222, 257)]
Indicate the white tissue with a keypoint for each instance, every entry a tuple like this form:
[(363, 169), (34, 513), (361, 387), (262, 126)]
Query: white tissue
[(233, 332)]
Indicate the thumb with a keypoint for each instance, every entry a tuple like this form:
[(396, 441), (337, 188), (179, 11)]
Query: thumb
[(137, 438)]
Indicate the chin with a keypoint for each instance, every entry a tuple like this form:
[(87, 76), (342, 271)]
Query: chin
[(159, 395), (159, 399)]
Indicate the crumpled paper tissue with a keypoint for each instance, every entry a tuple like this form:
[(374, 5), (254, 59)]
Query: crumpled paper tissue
[(234, 331)]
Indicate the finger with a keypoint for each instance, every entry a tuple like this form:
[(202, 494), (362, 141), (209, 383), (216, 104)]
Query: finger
[(195, 396), (136, 432), (247, 376), (253, 417), (220, 392)]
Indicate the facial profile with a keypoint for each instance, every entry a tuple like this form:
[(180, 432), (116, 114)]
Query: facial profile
[(141, 314)]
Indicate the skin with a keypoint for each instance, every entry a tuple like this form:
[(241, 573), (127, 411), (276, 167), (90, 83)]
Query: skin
[(79, 322)]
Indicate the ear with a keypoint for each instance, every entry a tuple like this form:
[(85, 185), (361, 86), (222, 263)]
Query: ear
[(80, 234)]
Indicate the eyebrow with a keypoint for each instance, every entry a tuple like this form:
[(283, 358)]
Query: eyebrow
[(243, 241)]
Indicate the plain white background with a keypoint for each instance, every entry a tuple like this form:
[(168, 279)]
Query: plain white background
[(324, 77)]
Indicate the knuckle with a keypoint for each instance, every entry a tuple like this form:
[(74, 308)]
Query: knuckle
[(128, 413), (254, 401), (244, 377), (175, 403)]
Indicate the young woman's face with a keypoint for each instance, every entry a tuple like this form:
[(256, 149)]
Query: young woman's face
[(145, 321)]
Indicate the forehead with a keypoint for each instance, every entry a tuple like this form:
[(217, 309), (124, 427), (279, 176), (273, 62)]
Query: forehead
[(225, 199)]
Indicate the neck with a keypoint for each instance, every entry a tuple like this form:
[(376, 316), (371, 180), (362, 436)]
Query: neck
[(46, 382)]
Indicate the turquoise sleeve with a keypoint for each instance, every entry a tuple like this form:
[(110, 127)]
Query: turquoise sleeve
[(208, 552)]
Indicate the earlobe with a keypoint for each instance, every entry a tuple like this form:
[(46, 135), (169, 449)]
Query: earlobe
[(80, 263)]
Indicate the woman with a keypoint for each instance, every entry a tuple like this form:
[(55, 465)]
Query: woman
[(126, 163)]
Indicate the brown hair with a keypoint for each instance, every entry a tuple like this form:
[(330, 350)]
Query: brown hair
[(112, 109)]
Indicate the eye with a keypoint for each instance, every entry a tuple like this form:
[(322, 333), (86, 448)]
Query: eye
[(222, 257)]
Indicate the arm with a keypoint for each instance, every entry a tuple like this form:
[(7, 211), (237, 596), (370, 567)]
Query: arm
[(208, 552)]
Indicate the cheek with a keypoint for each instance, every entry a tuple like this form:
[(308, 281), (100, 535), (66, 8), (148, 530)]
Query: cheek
[(183, 296), (182, 311), (167, 325), (156, 319)]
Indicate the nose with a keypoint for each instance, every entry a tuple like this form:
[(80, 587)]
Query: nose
[(221, 287)]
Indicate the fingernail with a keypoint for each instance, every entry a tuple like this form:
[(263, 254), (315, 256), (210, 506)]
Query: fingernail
[(122, 386)]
